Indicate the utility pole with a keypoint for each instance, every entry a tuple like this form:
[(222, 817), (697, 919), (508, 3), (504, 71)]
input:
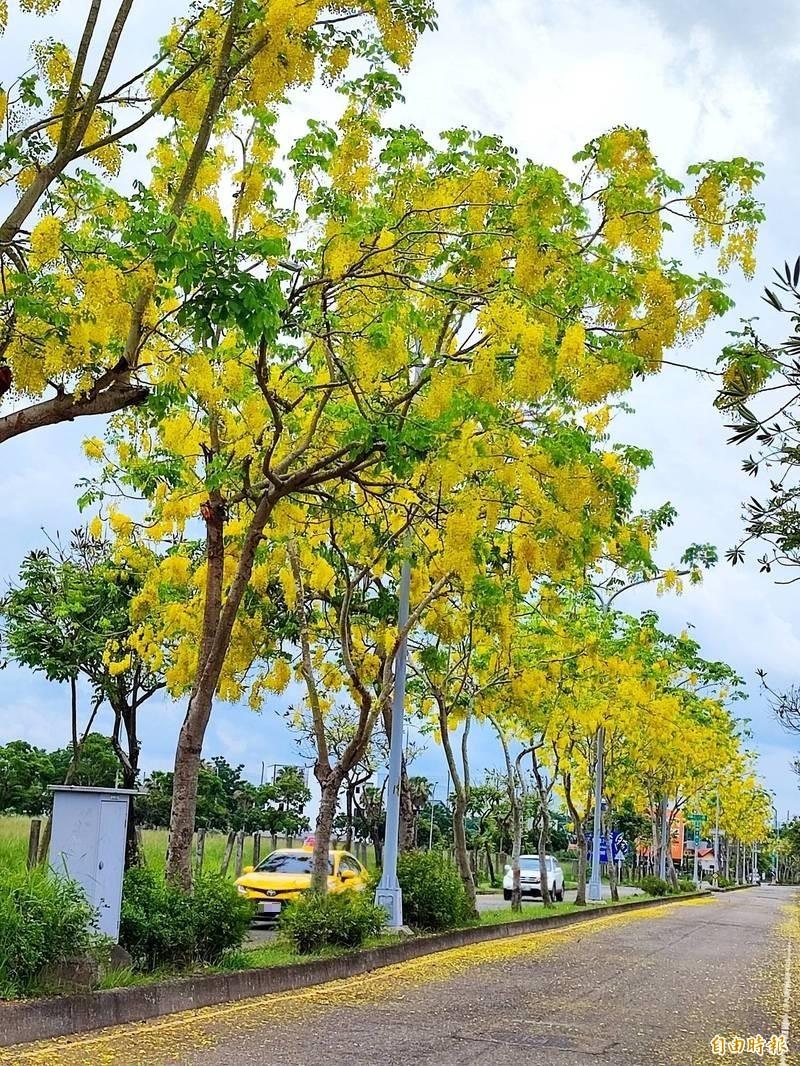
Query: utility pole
[(388, 894), (595, 887), (430, 836)]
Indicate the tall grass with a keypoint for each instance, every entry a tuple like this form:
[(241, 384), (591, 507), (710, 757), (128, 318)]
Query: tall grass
[(43, 919), (14, 832), (13, 842)]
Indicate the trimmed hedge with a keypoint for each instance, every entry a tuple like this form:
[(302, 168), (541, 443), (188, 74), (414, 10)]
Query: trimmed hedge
[(433, 893), (655, 886), (317, 921)]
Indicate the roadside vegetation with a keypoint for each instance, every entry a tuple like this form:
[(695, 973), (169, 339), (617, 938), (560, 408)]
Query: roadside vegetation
[(170, 933)]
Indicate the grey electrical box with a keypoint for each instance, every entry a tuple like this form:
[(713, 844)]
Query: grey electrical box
[(87, 844)]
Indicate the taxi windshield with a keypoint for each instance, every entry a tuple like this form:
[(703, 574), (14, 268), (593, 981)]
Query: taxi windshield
[(283, 862)]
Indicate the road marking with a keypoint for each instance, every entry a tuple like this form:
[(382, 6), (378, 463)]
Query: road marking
[(787, 999)]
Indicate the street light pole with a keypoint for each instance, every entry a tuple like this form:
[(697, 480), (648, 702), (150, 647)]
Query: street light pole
[(388, 894), (716, 846), (662, 860), (775, 847), (696, 848), (430, 836), (595, 886)]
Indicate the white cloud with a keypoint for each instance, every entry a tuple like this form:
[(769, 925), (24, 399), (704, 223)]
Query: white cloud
[(550, 77)]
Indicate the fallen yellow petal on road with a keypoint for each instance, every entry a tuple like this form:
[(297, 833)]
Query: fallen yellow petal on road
[(169, 1039)]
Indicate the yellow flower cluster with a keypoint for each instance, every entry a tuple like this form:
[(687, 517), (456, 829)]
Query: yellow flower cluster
[(45, 241)]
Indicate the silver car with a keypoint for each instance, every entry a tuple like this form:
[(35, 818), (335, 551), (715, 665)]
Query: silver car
[(530, 878)]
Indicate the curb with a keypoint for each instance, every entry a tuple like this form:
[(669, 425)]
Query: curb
[(44, 1019)]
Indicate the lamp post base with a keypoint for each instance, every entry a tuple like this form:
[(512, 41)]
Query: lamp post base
[(594, 892), (391, 899)]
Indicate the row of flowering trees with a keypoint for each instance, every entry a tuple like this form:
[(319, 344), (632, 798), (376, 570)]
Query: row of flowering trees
[(362, 347)]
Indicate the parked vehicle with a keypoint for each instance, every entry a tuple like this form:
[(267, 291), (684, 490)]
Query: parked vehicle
[(286, 874), (530, 878)]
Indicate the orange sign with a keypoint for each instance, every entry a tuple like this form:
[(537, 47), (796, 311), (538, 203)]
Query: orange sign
[(677, 836)]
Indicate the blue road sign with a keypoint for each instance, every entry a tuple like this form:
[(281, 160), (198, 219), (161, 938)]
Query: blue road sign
[(619, 847)]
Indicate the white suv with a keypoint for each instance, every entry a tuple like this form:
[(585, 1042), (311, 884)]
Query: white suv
[(530, 878)]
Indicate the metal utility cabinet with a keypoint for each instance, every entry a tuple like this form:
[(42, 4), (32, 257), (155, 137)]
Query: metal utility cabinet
[(87, 844)]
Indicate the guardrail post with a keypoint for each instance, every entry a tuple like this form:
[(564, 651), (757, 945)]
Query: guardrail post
[(33, 842), (239, 853), (226, 858)]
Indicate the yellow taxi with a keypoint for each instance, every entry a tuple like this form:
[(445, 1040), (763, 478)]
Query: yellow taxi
[(286, 874)]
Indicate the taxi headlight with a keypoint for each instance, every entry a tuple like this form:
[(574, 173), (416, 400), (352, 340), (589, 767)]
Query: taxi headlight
[(241, 890)]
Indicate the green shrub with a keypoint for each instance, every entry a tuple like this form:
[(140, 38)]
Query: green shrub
[(725, 882), (315, 921), (44, 919), (433, 893), (161, 925), (685, 885), (654, 886)]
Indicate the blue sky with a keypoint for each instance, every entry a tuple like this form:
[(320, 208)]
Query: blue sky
[(707, 80)]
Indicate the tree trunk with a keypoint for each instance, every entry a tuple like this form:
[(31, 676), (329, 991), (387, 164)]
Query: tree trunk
[(184, 789), (544, 829), (132, 853), (124, 707), (73, 706), (461, 850), (489, 864), (459, 811), (407, 818), (672, 875), (348, 829), (580, 837), (516, 848), (218, 622), (322, 832)]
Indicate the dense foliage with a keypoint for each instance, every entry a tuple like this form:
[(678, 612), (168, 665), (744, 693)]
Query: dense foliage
[(343, 920), (225, 800), (654, 886), (26, 771), (164, 926), (433, 894)]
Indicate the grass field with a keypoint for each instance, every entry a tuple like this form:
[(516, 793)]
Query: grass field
[(14, 832)]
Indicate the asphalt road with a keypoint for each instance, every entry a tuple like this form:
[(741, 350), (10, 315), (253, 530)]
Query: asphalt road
[(653, 986)]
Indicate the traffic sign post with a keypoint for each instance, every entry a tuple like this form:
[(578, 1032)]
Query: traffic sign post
[(697, 822)]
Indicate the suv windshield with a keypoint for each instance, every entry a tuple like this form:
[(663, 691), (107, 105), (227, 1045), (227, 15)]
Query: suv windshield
[(286, 863), (528, 863), (531, 862)]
